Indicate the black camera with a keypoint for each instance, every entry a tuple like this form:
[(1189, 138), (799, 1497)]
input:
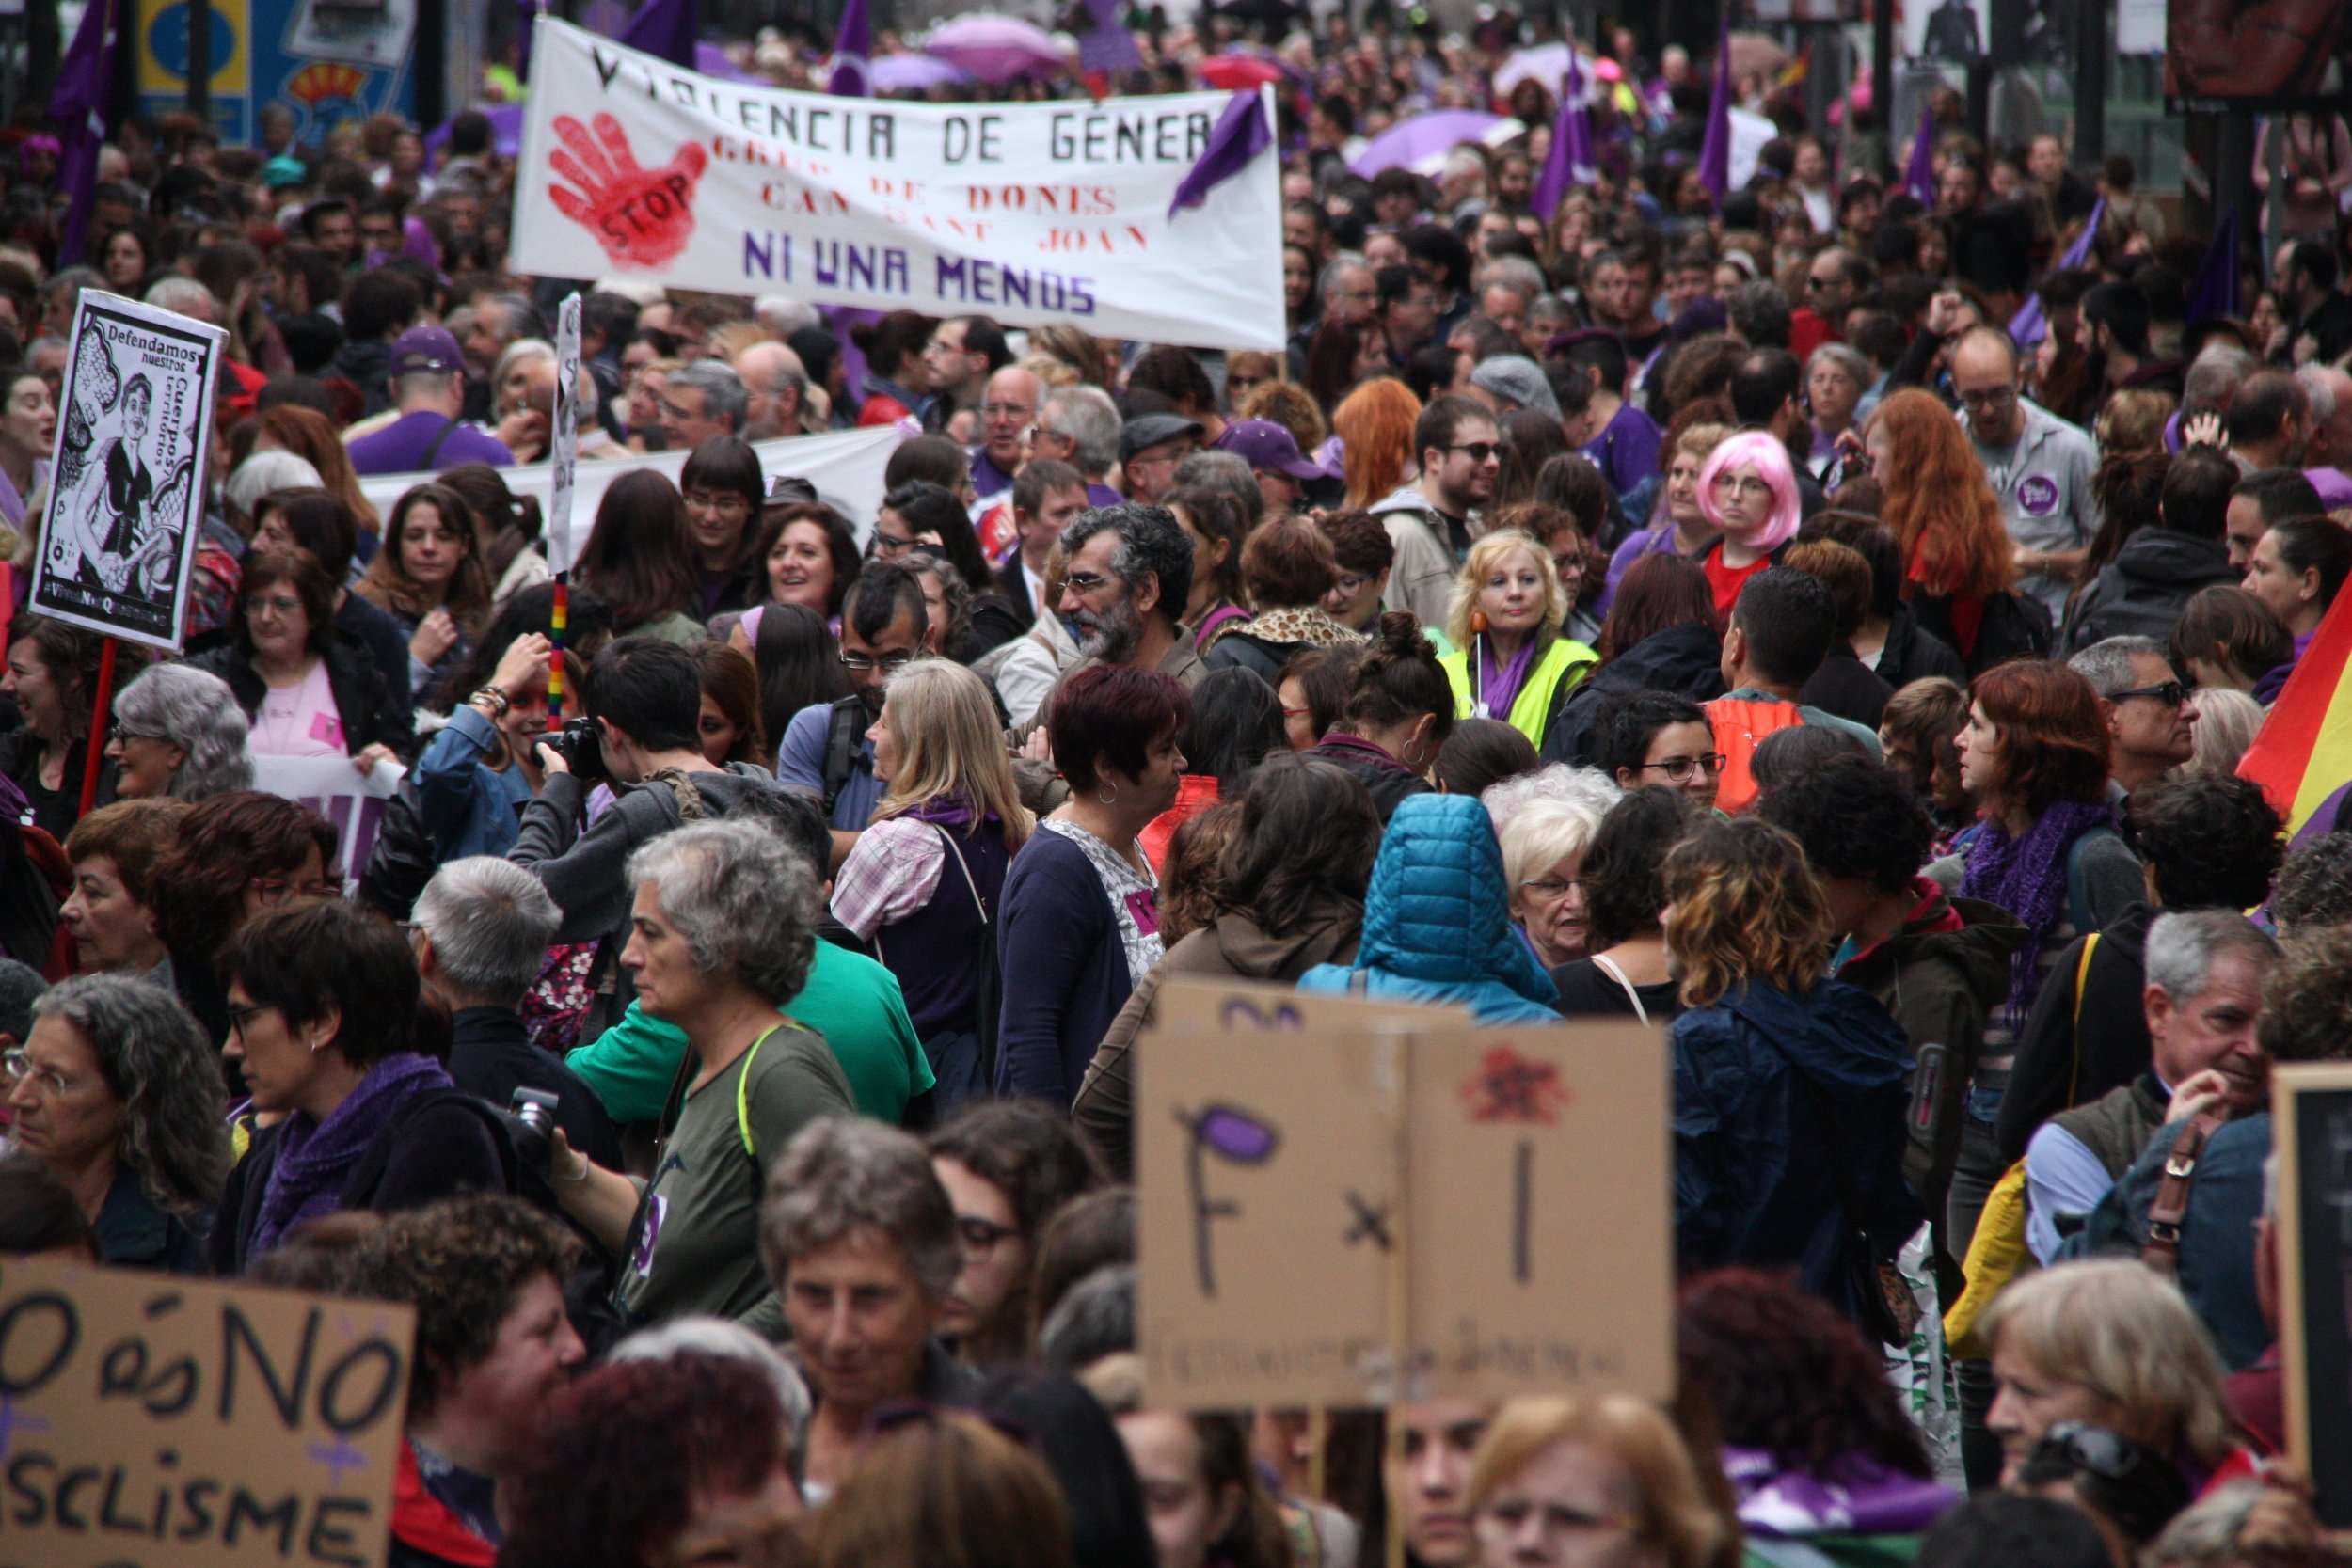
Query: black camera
[(531, 1121), (578, 744)]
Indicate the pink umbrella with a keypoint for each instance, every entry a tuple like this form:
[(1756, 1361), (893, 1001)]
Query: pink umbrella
[(1421, 142), (913, 74), (996, 49)]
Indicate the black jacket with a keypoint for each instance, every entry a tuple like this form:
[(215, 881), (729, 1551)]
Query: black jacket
[(1848, 688), (2140, 593), (2013, 627), (363, 704), (2110, 1050), (1686, 659), (1389, 780), (1911, 654)]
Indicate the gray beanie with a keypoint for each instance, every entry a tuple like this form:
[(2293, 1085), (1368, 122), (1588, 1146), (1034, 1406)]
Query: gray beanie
[(1517, 379)]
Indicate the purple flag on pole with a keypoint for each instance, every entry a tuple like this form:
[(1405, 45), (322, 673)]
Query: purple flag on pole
[(1571, 161), (664, 27), (852, 47), (2215, 292), (2027, 326), (526, 14), (1715, 152), (1920, 178), (1107, 47), (80, 111), (1241, 134)]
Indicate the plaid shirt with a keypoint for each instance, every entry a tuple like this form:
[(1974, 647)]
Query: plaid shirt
[(890, 874)]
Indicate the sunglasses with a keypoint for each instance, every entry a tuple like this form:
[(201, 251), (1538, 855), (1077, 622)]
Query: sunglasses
[(1481, 451), (2170, 694)]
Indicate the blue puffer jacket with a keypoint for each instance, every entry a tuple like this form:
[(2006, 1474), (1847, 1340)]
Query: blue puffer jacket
[(1438, 920), (1783, 1106)]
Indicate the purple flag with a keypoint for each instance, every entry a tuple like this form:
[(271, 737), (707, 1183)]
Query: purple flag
[(2215, 292), (1715, 152), (664, 27), (1107, 48), (526, 16), (1241, 134), (1920, 178), (1570, 160), (852, 47), (2027, 326), (80, 110)]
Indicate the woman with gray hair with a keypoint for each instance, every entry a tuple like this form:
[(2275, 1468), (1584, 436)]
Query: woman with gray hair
[(118, 1095), (1835, 378), (861, 1241), (179, 732), (722, 936)]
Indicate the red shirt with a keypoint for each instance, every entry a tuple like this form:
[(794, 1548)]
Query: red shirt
[(1728, 580)]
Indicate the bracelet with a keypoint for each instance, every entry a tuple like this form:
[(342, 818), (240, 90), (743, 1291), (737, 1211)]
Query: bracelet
[(497, 699)]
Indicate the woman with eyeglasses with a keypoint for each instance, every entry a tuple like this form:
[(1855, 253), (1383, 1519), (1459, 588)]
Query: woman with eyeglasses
[(724, 487), (1747, 492), (179, 732), (52, 669), (323, 1023), (236, 857), (1508, 656), (118, 1095), (307, 691), (1543, 853), (1008, 1170), (1594, 1481)]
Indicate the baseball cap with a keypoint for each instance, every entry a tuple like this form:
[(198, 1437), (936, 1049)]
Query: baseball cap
[(1263, 444), (1151, 429), (426, 348)]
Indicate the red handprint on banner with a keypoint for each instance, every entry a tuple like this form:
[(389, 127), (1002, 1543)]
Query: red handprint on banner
[(643, 217)]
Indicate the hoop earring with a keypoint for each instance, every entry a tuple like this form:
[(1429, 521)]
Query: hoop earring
[(1110, 800)]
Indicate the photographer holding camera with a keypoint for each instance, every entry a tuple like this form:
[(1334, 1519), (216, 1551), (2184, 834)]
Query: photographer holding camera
[(643, 700)]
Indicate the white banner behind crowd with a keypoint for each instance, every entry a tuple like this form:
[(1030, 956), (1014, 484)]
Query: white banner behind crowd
[(1024, 212), (845, 466), (352, 801)]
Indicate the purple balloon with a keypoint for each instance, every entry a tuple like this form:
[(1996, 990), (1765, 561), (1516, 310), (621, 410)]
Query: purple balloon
[(1237, 1134)]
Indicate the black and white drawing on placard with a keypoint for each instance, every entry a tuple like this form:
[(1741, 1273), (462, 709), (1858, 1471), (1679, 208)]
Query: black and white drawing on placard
[(127, 500)]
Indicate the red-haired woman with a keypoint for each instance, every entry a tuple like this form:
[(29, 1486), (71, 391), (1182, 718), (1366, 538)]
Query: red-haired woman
[(1959, 562), (1079, 918), (2035, 752)]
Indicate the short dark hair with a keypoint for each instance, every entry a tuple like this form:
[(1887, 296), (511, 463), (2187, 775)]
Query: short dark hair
[(2211, 843), (1031, 1154), (2122, 309), (2280, 493), (1112, 714), (324, 956), (1482, 752), (2315, 543), (1395, 284), (1759, 313), (1627, 723), (1878, 337), (1624, 887), (649, 690), (1150, 540), (1570, 481), (1442, 420), (1855, 817), (1870, 539), (883, 594), (1602, 352), (378, 304), (37, 1213), (1434, 241), (1235, 724), (2263, 402), (1175, 375), (2195, 499), (1040, 478), (322, 525), (1789, 618), (1358, 542), (725, 462), (2227, 626), (1763, 382), (2315, 259), (1287, 562), (2017, 1532), (982, 336)]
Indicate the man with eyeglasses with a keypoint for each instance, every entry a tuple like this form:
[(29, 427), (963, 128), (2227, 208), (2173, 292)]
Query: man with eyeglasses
[(1433, 518), (963, 353), (1129, 579), (2039, 466), (700, 401), (1008, 409), (1832, 284), (2152, 714), (824, 752)]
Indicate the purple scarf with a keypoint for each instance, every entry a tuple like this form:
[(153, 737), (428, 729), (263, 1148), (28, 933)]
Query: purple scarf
[(2028, 878), (314, 1158), (1859, 1497), (1499, 685)]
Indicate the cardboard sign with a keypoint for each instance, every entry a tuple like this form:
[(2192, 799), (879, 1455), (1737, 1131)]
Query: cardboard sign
[(147, 1421), (126, 500), (1372, 1214), (1028, 214), (1234, 1007), (2311, 1121)]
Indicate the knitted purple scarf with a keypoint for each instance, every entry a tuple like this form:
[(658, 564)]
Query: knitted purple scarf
[(314, 1158), (2028, 878)]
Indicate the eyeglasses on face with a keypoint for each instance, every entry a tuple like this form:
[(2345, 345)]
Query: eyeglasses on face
[(1991, 397), (1481, 452), (1552, 889), (239, 1018), (981, 1235), (889, 664), (1679, 769), (1741, 484), (273, 891), (49, 1081), (274, 605), (1086, 582)]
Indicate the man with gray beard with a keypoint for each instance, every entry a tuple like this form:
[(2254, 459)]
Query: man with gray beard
[(1129, 577)]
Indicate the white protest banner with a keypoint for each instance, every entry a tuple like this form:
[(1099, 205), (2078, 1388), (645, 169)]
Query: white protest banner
[(1749, 133), (352, 801), (564, 444), (156, 1422), (845, 466), (1024, 212), (127, 501)]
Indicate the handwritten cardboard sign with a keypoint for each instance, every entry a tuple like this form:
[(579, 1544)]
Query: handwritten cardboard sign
[(2310, 1124), (1238, 1006), (173, 1423), (1379, 1212)]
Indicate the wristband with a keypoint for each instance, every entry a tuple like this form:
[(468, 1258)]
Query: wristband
[(497, 699)]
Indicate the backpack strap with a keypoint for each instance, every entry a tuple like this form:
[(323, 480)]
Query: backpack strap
[(2082, 978), (743, 1098), (844, 728)]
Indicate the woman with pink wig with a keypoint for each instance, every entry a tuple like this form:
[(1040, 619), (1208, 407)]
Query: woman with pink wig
[(1748, 489)]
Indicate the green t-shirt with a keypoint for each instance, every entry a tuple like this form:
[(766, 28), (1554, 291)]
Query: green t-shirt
[(697, 1249), (852, 1001)]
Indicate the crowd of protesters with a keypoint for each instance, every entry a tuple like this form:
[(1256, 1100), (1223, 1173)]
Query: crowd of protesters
[(1735, 611)]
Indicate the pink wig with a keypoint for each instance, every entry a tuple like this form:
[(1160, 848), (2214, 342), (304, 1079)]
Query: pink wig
[(1764, 453)]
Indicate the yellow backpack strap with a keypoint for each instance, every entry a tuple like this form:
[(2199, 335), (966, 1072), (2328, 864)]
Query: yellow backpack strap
[(743, 1095), (2082, 978)]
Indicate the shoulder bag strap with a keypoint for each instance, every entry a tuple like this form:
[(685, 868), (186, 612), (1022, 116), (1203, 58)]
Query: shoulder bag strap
[(433, 448), (2082, 978), (1602, 963), (989, 988), (2169, 1210)]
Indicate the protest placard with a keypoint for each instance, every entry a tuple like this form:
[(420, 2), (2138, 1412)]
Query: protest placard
[(1347, 1214), (1024, 212), (352, 802), (1197, 1004), (2310, 1124), (127, 498), (156, 1422)]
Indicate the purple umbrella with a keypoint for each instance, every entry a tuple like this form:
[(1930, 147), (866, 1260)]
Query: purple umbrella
[(712, 60), (507, 131), (913, 74), (996, 49), (1422, 142)]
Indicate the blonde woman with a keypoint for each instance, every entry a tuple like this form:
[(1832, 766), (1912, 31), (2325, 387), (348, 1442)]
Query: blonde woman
[(1681, 527), (1600, 1481), (1506, 657), (921, 885)]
